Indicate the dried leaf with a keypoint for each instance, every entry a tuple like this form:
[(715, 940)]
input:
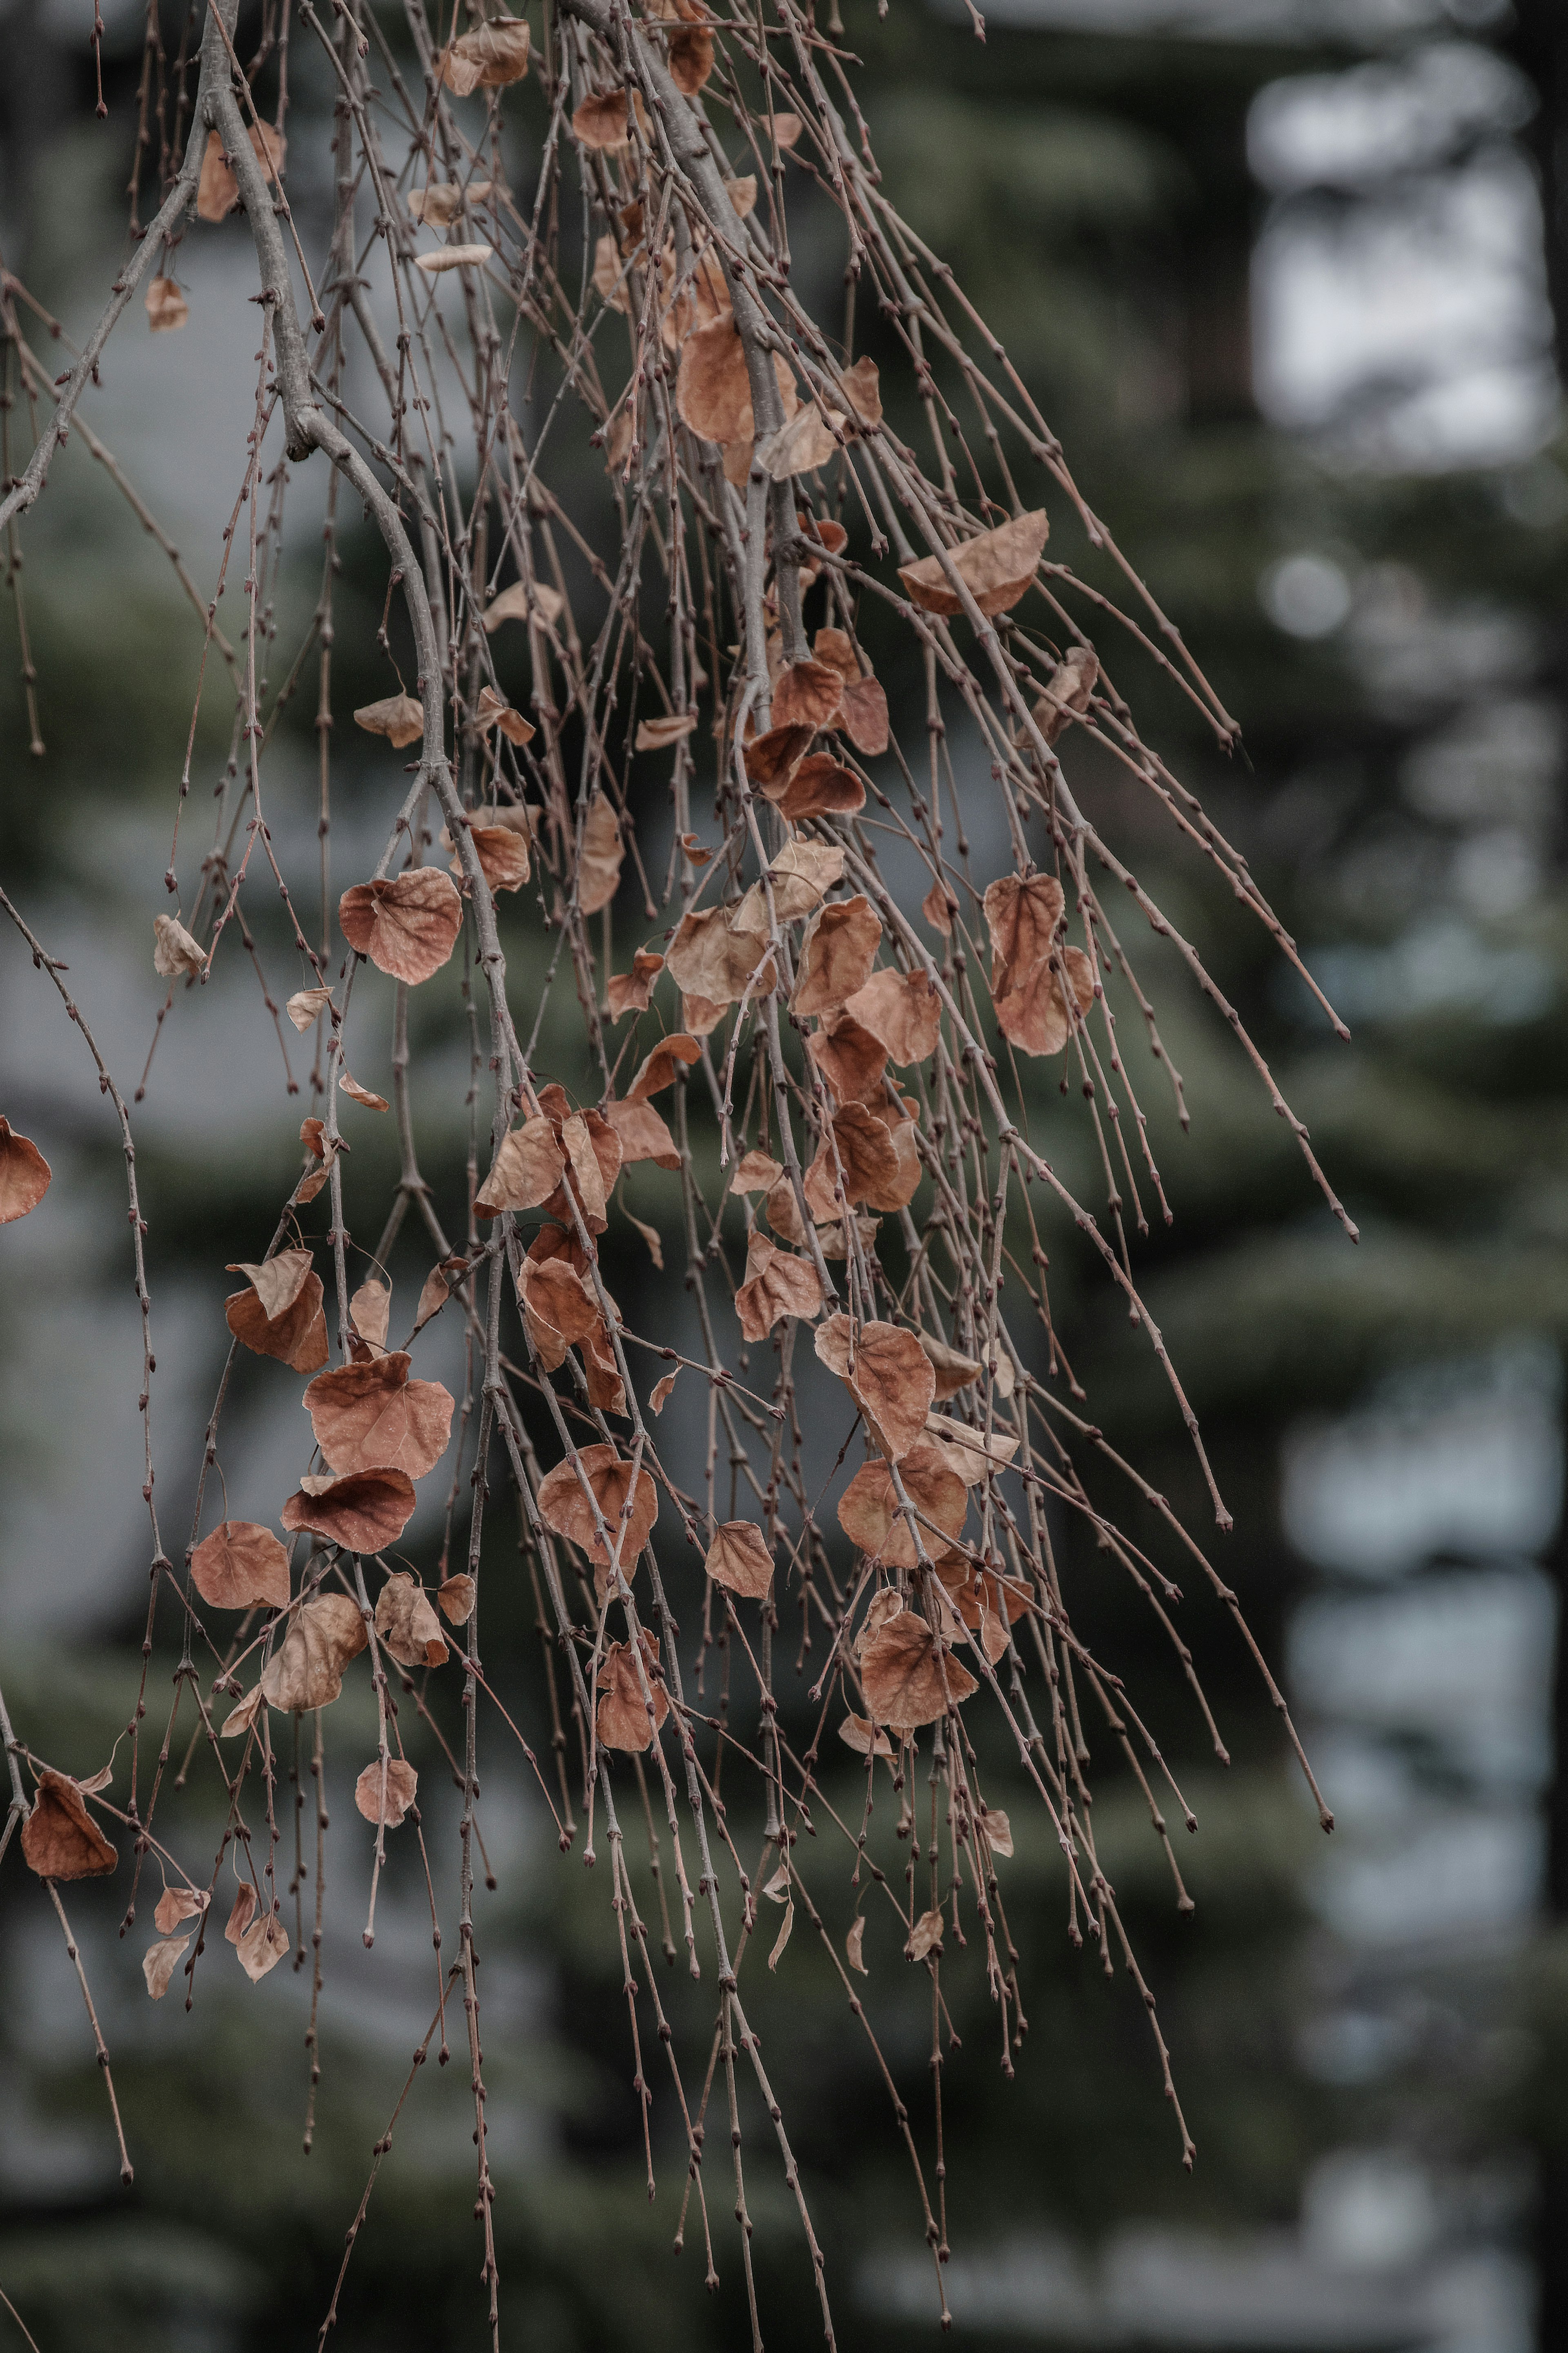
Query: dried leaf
[(642, 1134), (786, 129), (998, 1832), (371, 1416), (924, 1937), (777, 1285), (594, 1157), (455, 1599), (386, 1801), (953, 1370), (908, 1677), (710, 957), (974, 1455), (297, 1334), (513, 604), (783, 1212), (739, 1559), (622, 1717), (863, 715), (160, 1961), (903, 1009), (437, 1290), (452, 256), (264, 1943), (526, 1170), (305, 1004), (241, 1718), (558, 1308), (866, 1739), (855, 1944), (407, 1625), (888, 1374), (850, 1060), (756, 1173), (363, 1511), (777, 1954), (502, 855), (996, 568), (241, 1565), (862, 384), (365, 1095), (861, 1146), (493, 711), (217, 191), (807, 693), (871, 1516), (700, 1016), (772, 759), (166, 306), (819, 787), (239, 1916), (802, 443), (630, 992), (408, 926), (370, 1310), (177, 1903), (938, 907), (398, 717), (1069, 691), (307, 1669), (24, 1175), (659, 734), (488, 57), (60, 1838), (659, 1068), (599, 868), (690, 57), (566, 1508), (661, 1392), (712, 389), (1033, 1009), (837, 955), (602, 122), (174, 952), (438, 205)]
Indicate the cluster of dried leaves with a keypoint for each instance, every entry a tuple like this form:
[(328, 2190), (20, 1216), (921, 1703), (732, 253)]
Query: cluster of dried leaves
[(830, 1076)]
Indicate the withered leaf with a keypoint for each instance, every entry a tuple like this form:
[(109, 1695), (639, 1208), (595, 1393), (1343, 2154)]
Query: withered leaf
[(862, 384), (527, 1169), (452, 256), (438, 203), (594, 1159), (712, 388), (398, 717), (659, 1068), (836, 954), (1032, 1010), (908, 1678), (365, 1095), (771, 758), (407, 925), (240, 1915), (863, 715), (558, 1307), (630, 992), (60, 1838), (953, 1370), (866, 1739), (799, 878), (997, 1829), (602, 122), (566, 1508), (371, 1416), (525, 601), (622, 1717), (859, 1151), (690, 57), (241, 1718), (25, 1174), (437, 1290), (643, 1133), (662, 1393), (739, 1560), (871, 1516), (305, 1004), (493, 711), (802, 443), (502, 854), (160, 1961), (855, 1944), (455, 1599), (1068, 694), (818, 787), (363, 1511), (903, 1009), (1022, 914), (888, 1374), (974, 1456), (938, 907), (297, 1334), (217, 191), (756, 1173), (807, 694), (996, 568), (924, 1937), (166, 306), (241, 1565), (307, 1669), (599, 868), (407, 1625), (264, 1943), (659, 734), (387, 1802), (491, 56), (850, 1060), (174, 952), (710, 957), (370, 1310), (777, 1285), (177, 1903), (786, 129)]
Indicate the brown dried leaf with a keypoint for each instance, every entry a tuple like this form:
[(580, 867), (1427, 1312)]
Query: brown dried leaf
[(855, 1944), (455, 1599), (866, 1739), (241, 1718), (938, 907), (370, 1310), (739, 1559), (298, 1336), (24, 1175), (239, 1915), (863, 715), (277, 1281), (802, 443), (1022, 914), (513, 604), (365, 1095), (437, 1290), (398, 717), (525, 1172), (264, 1943), (177, 1903), (850, 1060), (622, 1717), (363, 1511), (160, 1961), (837, 955), (594, 1157), (371, 1416), (862, 384), (712, 389), (903, 1009), (924, 1937), (566, 1509), (869, 1157), (407, 1625), (661, 1392), (601, 122), (710, 957), (807, 694), (493, 711), (690, 57), (908, 1678), (888, 1374), (783, 1212), (970, 1453), (700, 1016), (819, 787), (408, 926), (488, 57), (558, 1307), (996, 568), (217, 191), (307, 1670), (756, 1173), (642, 1134), (241, 1565), (777, 1285), (998, 1832), (166, 306), (953, 1370), (659, 1068), (599, 870), (771, 759), (786, 129), (438, 203), (305, 1004), (174, 952), (502, 854), (659, 734), (60, 1838), (871, 1516), (630, 992), (1069, 691), (387, 1802)]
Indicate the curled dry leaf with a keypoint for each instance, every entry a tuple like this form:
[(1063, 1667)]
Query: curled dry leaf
[(525, 601), (365, 1095), (786, 129), (166, 306), (407, 1625), (855, 1944), (488, 57), (452, 256), (903, 1009), (364, 1512), (924, 1937), (863, 387), (599, 867), (240, 1912), (659, 734), (888, 1374), (438, 205), (866, 1739), (601, 122), (998, 1832), (1069, 691), (174, 952), (24, 1175), (655, 1244), (712, 388), (264, 1943), (386, 1801), (526, 1170), (739, 1560), (659, 1068), (408, 926), (772, 759), (970, 1452), (371, 1416), (1032, 1011), (863, 715), (177, 1903), (802, 443), (742, 194), (710, 957), (996, 568), (565, 1507), (643, 1133), (437, 1290), (307, 1669), (593, 1161), (160, 1961), (241, 1565), (493, 711), (217, 191), (1021, 915), (807, 693), (819, 787), (241, 1718), (699, 1015), (799, 878), (60, 1838), (837, 955), (850, 1060), (908, 1677), (690, 57), (455, 1599), (558, 1308), (398, 717), (872, 1517), (777, 1285), (662, 1393), (502, 855), (861, 1146), (630, 992), (953, 1370), (938, 907), (297, 1333), (623, 1716), (756, 1173), (370, 1310), (304, 1006)]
